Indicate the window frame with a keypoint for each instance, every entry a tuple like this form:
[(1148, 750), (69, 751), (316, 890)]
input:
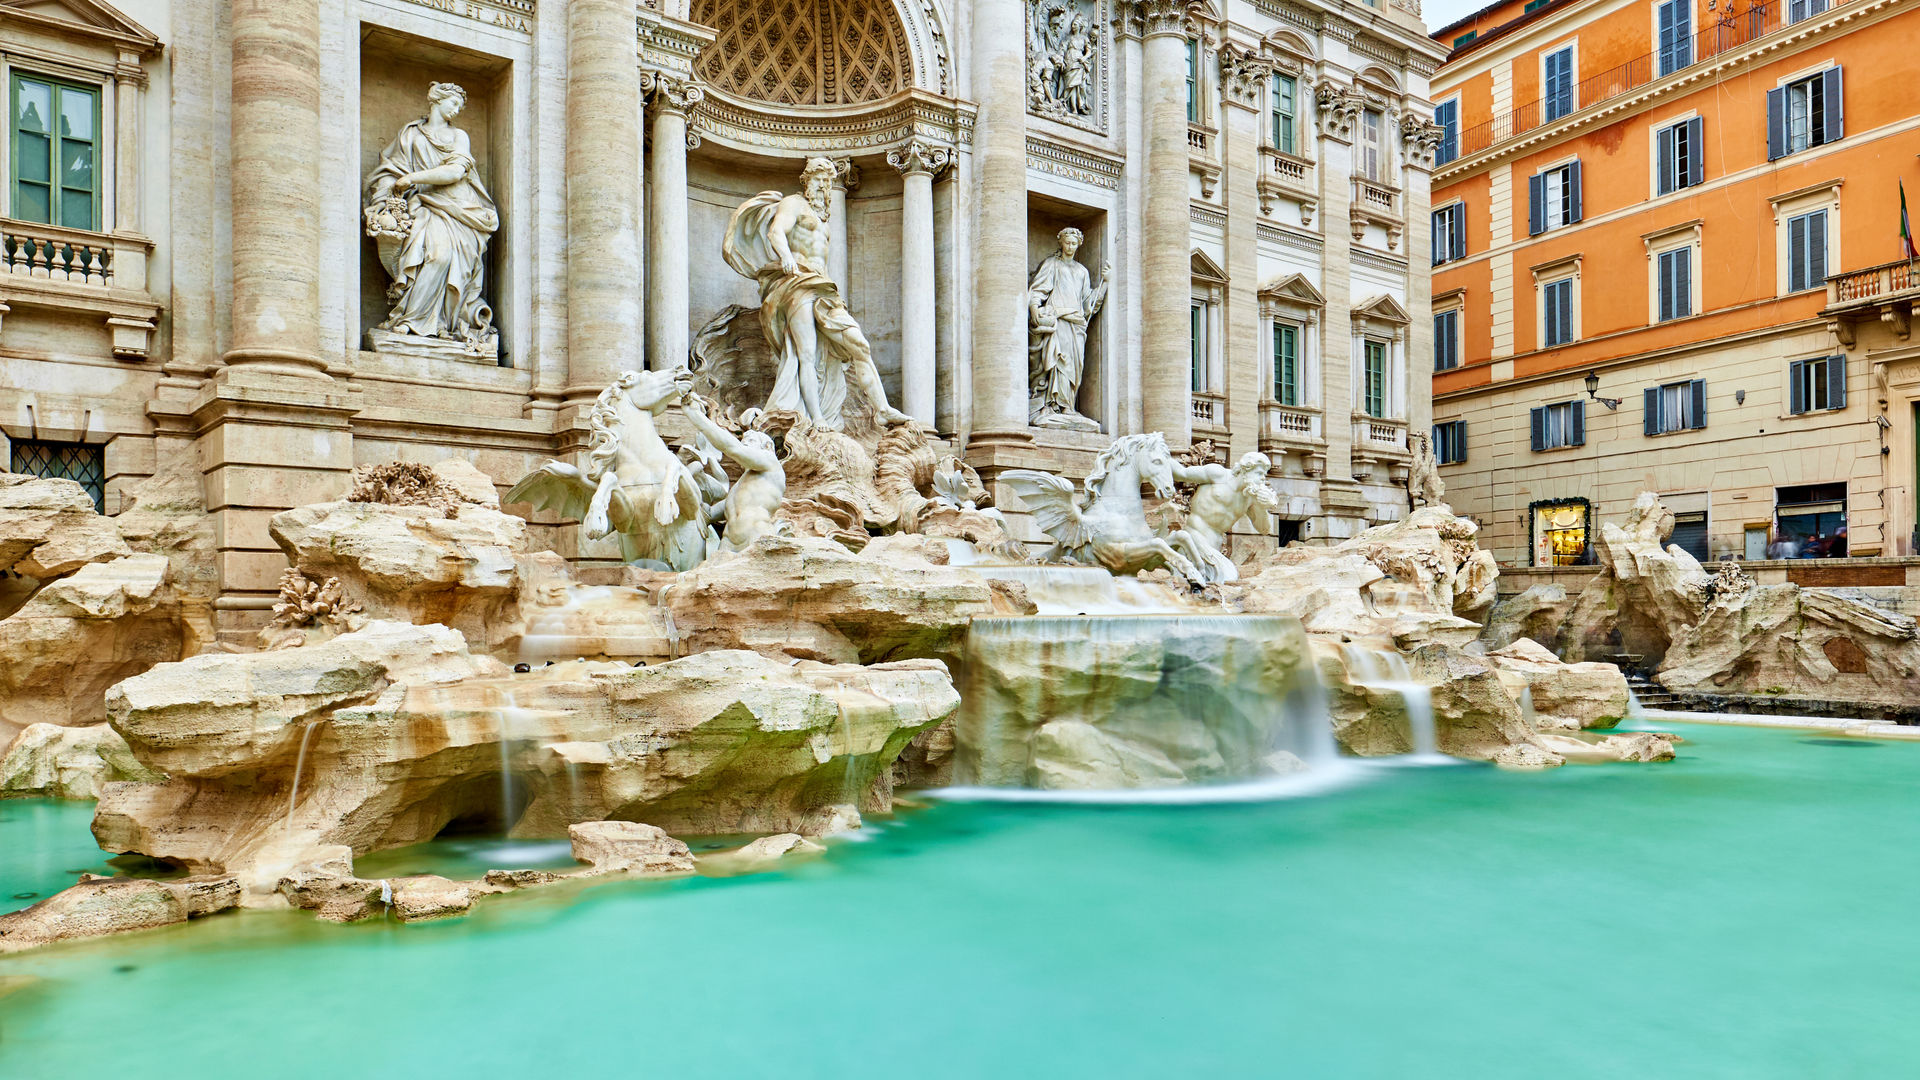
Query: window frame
[(1680, 51), (1558, 425), (1197, 317), (1373, 144), (1568, 202), (1800, 277), (1691, 394), (1550, 94), (1193, 81), (19, 453), (1284, 122), (1548, 321), (1662, 260), (1454, 439), (56, 188), (1447, 115), (1452, 337), (1678, 154), (1292, 383), (1817, 384), (1449, 233), (1374, 382)]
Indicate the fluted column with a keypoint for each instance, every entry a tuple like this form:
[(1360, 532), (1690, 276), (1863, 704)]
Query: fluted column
[(918, 162), (1000, 229), (603, 213), (275, 143), (1165, 351), (668, 306), (1241, 81), (845, 178)]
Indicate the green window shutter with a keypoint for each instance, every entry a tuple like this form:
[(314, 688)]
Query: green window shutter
[(1286, 364), (55, 141)]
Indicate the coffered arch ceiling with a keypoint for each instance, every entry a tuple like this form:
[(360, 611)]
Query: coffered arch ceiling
[(815, 53)]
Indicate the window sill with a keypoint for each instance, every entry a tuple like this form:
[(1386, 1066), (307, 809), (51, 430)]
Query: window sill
[(1676, 431), (1557, 449), (1811, 412)]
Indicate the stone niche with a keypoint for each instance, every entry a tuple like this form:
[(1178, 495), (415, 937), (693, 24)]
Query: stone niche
[(396, 70), (720, 178), (1046, 216)]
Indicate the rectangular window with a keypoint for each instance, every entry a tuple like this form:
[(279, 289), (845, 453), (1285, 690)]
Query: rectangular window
[(56, 136), (1446, 340), (1556, 98), (1817, 384), (1676, 35), (1447, 116), (1553, 198), (1372, 144), (1556, 303), (1193, 82), (1555, 426), (1285, 108), (1807, 251), (1810, 522), (1805, 113), (1676, 283), (1679, 154), (86, 465), (1286, 363), (1197, 318), (1804, 9), (1450, 442), (1465, 38), (1376, 379), (1534, 5), (1449, 233), (1680, 406)]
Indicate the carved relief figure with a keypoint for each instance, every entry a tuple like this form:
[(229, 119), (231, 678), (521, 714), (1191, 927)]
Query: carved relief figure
[(1061, 300), (431, 218), (1222, 497), (781, 242), (1077, 63), (1060, 59), (753, 501)]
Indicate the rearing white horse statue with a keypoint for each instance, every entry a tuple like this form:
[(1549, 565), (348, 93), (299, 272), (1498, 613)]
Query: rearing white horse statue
[(634, 484), (1111, 530)]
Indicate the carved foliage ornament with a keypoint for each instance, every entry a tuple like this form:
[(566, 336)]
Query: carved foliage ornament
[(1242, 76), (1163, 16), (1421, 139), (1339, 109)]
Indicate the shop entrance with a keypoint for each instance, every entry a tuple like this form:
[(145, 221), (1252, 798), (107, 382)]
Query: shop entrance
[(1560, 531)]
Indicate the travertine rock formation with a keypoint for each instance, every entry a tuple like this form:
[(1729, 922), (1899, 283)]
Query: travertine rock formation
[(396, 731), (1536, 613), (1564, 696), (98, 906), (1473, 715), (1645, 593), (48, 528), (620, 847), (53, 762)]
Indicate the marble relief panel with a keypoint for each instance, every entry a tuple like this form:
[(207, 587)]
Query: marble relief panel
[(1069, 54)]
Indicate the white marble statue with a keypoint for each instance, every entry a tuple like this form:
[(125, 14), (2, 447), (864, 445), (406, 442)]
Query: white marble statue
[(781, 242), (431, 218), (1424, 486), (1060, 59), (1111, 529), (1061, 301), (634, 484), (753, 501), (1221, 497)]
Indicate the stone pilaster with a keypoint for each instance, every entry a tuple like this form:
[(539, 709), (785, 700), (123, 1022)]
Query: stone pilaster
[(1343, 509), (669, 311), (1420, 139), (918, 161), (846, 177), (1165, 351), (1000, 233), (604, 315), (1241, 79)]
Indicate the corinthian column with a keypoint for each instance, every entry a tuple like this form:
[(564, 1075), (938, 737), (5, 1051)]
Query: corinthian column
[(276, 187), (668, 307), (845, 178), (918, 162), (603, 211), (999, 81), (1165, 350)]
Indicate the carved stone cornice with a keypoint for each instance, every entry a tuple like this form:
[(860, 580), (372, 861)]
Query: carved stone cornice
[(671, 93), (1242, 76), (754, 126), (920, 156)]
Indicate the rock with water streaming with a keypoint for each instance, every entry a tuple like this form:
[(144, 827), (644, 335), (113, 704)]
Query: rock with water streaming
[(1584, 695), (1383, 703), (1068, 702), (53, 762)]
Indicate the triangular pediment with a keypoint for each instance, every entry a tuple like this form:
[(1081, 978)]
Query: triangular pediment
[(1205, 269), (1294, 287), (89, 17), (1383, 308)]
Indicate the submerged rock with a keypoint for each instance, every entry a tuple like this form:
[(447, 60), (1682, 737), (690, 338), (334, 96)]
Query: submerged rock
[(629, 847), (429, 896), (98, 906)]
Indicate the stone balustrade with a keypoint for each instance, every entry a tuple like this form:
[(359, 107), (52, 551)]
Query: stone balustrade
[(49, 251)]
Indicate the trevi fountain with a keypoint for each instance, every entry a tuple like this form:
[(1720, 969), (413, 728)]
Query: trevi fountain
[(854, 763)]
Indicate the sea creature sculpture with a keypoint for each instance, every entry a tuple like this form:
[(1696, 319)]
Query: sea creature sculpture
[(634, 484), (1222, 497), (1111, 529)]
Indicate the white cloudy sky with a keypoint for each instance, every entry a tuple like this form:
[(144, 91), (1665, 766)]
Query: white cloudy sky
[(1439, 13)]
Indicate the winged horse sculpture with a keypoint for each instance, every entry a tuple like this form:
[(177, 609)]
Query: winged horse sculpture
[(634, 484), (1111, 529)]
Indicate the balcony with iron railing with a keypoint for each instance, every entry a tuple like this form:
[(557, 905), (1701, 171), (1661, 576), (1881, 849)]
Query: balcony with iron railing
[(74, 270), (1887, 292), (1731, 30)]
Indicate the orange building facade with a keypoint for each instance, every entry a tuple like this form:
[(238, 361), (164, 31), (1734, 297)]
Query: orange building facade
[(1644, 233)]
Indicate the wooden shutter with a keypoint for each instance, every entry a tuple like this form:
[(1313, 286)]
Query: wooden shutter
[(1816, 266), (1797, 387), (1699, 389), (1663, 269), (1696, 156), (1573, 186), (1439, 250), (1459, 441), (1564, 304), (1459, 223), (1650, 410), (1540, 428), (1667, 35), (1796, 253), (1577, 424), (1682, 282), (1776, 123), (1837, 381), (1536, 204), (1833, 118), (1667, 171)]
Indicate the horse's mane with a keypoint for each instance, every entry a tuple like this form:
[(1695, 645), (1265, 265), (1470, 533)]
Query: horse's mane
[(603, 442), (1124, 448)]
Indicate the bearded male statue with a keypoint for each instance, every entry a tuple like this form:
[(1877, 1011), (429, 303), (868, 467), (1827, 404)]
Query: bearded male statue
[(781, 242)]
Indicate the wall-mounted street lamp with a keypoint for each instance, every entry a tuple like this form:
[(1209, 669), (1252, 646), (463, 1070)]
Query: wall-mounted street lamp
[(1593, 391)]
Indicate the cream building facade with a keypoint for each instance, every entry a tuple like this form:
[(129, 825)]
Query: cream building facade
[(195, 285)]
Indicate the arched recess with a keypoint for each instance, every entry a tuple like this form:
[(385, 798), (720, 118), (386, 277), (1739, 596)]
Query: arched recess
[(823, 53)]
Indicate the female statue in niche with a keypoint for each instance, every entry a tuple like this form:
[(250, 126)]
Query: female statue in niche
[(1061, 300), (432, 218)]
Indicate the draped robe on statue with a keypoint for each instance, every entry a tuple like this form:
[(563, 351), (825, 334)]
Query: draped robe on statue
[(437, 272), (1058, 354), (809, 294)]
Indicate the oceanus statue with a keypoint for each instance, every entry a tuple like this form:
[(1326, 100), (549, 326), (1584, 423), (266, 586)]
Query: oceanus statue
[(1111, 529), (634, 484)]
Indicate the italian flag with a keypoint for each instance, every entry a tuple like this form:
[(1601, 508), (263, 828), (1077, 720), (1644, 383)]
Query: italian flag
[(1906, 228)]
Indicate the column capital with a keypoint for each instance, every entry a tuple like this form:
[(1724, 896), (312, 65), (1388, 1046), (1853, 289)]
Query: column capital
[(1242, 76), (1339, 109), (671, 93), (846, 175), (1162, 17), (1421, 139), (920, 156)]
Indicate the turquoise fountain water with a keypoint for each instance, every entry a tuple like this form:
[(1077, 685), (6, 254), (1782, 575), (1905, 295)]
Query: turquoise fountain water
[(1733, 913)]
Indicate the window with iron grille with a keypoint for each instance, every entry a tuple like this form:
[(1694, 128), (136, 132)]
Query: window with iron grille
[(85, 465)]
